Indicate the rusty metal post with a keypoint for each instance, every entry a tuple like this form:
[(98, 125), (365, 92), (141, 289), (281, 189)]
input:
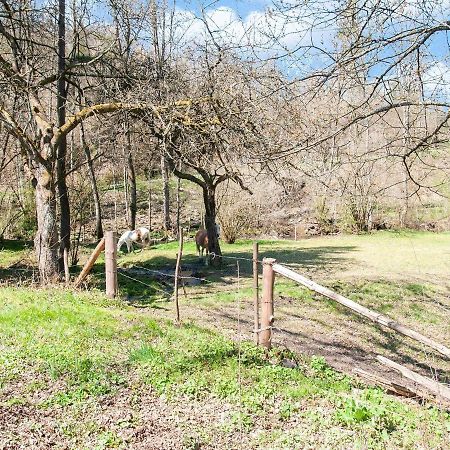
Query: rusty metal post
[(267, 317), (111, 263), (256, 290)]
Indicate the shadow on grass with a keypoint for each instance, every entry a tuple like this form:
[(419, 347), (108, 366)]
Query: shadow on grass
[(136, 283), (320, 257), (14, 265), (15, 245), (323, 257), (347, 354)]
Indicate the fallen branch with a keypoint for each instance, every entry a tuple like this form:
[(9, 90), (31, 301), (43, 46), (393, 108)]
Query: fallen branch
[(436, 388), (387, 384)]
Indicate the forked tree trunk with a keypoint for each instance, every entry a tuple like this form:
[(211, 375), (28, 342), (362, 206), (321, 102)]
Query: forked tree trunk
[(46, 239), (209, 199)]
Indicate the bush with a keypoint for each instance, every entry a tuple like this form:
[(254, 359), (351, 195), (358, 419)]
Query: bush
[(19, 218), (236, 216)]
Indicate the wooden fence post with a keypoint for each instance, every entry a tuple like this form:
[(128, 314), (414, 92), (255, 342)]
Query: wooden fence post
[(256, 290), (267, 318), (177, 271), (111, 263)]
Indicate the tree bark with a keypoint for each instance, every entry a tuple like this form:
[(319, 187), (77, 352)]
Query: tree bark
[(178, 204), (95, 194), (46, 239), (150, 200), (131, 184), (166, 193), (63, 194), (209, 199)]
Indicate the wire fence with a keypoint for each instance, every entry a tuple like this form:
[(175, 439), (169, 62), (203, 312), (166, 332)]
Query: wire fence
[(299, 325)]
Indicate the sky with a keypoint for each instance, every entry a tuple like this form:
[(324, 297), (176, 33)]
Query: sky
[(240, 22), (224, 14)]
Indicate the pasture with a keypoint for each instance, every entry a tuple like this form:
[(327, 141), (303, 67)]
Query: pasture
[(80, 371)]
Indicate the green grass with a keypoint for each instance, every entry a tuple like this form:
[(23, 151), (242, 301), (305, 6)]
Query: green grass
[(68, 352), (14, 251), (90, 347)]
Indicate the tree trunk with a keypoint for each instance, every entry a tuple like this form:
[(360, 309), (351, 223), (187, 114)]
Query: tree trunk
[(46, 239), (178, 204), (166, 193), (97, 204), (62, 147), (64, 205), (131, 184), (209, 198), (150, 200)]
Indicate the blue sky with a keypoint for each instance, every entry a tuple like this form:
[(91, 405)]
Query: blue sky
[(242, 7), (233, 18)]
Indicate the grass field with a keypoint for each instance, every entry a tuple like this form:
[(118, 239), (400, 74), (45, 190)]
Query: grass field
[(80, 371)]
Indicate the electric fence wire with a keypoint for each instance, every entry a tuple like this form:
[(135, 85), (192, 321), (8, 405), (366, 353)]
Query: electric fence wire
[(170, 275), (142, 282)]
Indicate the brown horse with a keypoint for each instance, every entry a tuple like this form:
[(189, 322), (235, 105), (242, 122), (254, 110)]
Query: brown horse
[(202, 242)]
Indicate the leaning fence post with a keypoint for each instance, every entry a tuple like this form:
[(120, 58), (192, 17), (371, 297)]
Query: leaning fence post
[(267, 318), (90, 262), (111, 263), (256, 291)]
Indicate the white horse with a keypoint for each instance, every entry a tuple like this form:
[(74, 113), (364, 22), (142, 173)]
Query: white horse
[(141, 235)]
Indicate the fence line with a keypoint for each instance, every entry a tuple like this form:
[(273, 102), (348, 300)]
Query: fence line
[(270, 268), (361, 310), (170, 275), (264, 327)]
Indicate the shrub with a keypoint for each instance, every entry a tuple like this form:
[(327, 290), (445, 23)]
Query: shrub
[(236, 216)]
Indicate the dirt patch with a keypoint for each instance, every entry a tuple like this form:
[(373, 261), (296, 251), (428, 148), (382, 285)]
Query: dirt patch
[(134, 417)]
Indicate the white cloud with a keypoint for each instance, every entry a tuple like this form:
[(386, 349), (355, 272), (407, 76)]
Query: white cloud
[(436, 81), (266, 31)]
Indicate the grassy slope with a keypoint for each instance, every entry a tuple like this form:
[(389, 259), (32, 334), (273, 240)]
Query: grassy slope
[(75, 350), (66, 355)]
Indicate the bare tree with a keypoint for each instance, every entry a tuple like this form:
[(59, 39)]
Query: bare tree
[(25, 71)]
